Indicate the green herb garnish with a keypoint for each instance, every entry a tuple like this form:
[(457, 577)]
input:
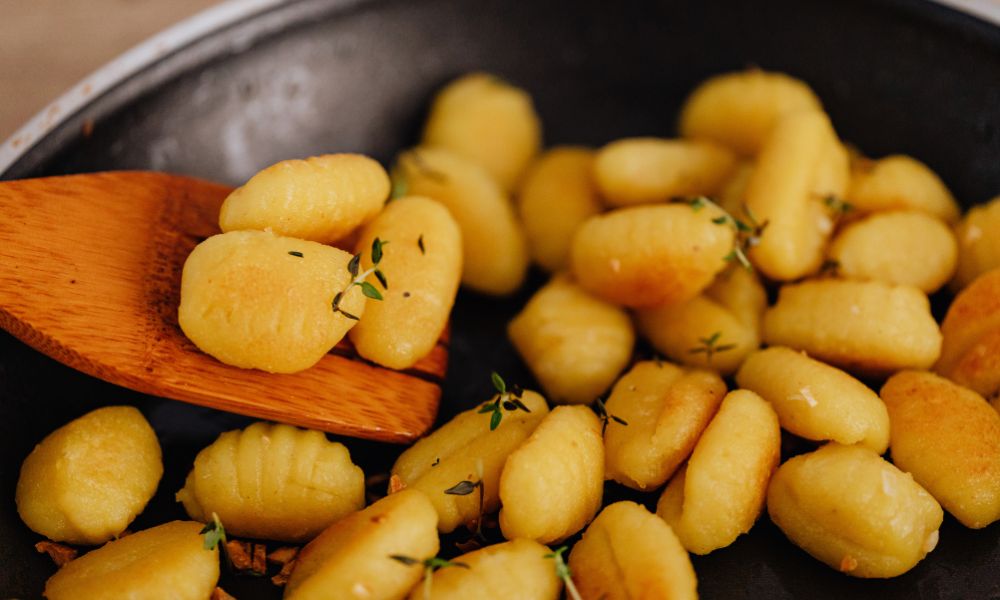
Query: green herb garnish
[(602, 413), (710, 346), (420, 244), (509, 400), (360, 278), (563, 572), (295, 253), (214, 533), (430, 565)]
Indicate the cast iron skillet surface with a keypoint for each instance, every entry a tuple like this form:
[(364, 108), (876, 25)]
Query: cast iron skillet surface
[(318, 76)]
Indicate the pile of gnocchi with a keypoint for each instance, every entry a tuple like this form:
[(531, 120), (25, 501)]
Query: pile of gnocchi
[(753, 279)]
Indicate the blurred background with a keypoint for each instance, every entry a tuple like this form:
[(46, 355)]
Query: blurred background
[(46, 46)]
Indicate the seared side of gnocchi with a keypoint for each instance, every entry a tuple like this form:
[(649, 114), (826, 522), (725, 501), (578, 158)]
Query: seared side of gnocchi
[(816, 401), (423, 266), (627, 552), (948, 438), (86, 481), (978, 244), (274, 482), (322, 198), (352, 558), (970, 349), (494, 249), (870, 328), (167, 561), (721, 491), (854, 511), (514, 569), (466, 449), (552, 485), (900, 182), (256, 300), (574, 343), (666, 408)]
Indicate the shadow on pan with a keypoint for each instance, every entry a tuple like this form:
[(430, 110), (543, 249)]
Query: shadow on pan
[(315, 76)]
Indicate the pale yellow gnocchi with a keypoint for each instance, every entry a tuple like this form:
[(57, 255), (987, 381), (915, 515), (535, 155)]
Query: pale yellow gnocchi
[(494, 248), (904, 247), (557, 195), (86, 481), (869, 328), (645, 170), (552, 485), (816, 401), (948, 438), (515, 569), (274, 482), (666, 408), (900, 182), (854, 511), (645, 256), (628, 552), (322, 198), (978, 235), (719, 494), (256, 300), (488, 121), (741, 292), (740, 109), (352, 558), (970, 349), (167, 561), (466, 449), (422, 264), (574, 343)]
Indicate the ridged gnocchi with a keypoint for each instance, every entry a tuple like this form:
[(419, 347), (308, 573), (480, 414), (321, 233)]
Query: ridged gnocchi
[(466, 449), (816, 401), (494, 248), (552, 485), (167, 561), (978, 243), (854, 511), (900, 182), (645, 170), (666, 408), (574, 344), (970, 349), (557, 195), (627, 552), (274, 482), (322, 198), (645, 256), (86, 481), (352, 558), (256, 300), (422, 265), (948, 438), (515, 569)]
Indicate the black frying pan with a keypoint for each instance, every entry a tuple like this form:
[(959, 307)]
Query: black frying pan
[(316, 76)]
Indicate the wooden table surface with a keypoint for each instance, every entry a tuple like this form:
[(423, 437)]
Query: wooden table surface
[(46, 46)]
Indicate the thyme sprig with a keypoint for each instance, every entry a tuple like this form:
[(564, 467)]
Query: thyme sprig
[(466, 487), (430, 565), (563, 572), (709, 346), (605, 417), (360, 279), (748, 234), (509, 400), (838, 206), (214, 532)]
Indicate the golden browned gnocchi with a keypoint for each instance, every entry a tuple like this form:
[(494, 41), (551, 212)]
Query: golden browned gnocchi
[(948, 438), (645, 170), (322, 198), (740, 109), (274, 482), (557, 195), (488, 121), (970, 350), (795, 171), (666, 408), (352, 558), (627, 552), (741, 292), (905, 247), (719, 494), (256, 300), (552, 485), (86, 481), (854, 511), (423, 266), (467, 449), (816, 401), (167, 561), (494, 249), (864, 327), (978, 243), (514, 569), (574, 343), (650, 255), (900, 182)]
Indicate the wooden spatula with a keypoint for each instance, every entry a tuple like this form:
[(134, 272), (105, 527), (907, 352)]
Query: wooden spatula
[(90, 269)]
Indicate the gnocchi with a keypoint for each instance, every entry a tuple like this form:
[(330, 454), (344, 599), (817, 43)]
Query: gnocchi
[(970, 349), (900, 182), (978, 246)]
